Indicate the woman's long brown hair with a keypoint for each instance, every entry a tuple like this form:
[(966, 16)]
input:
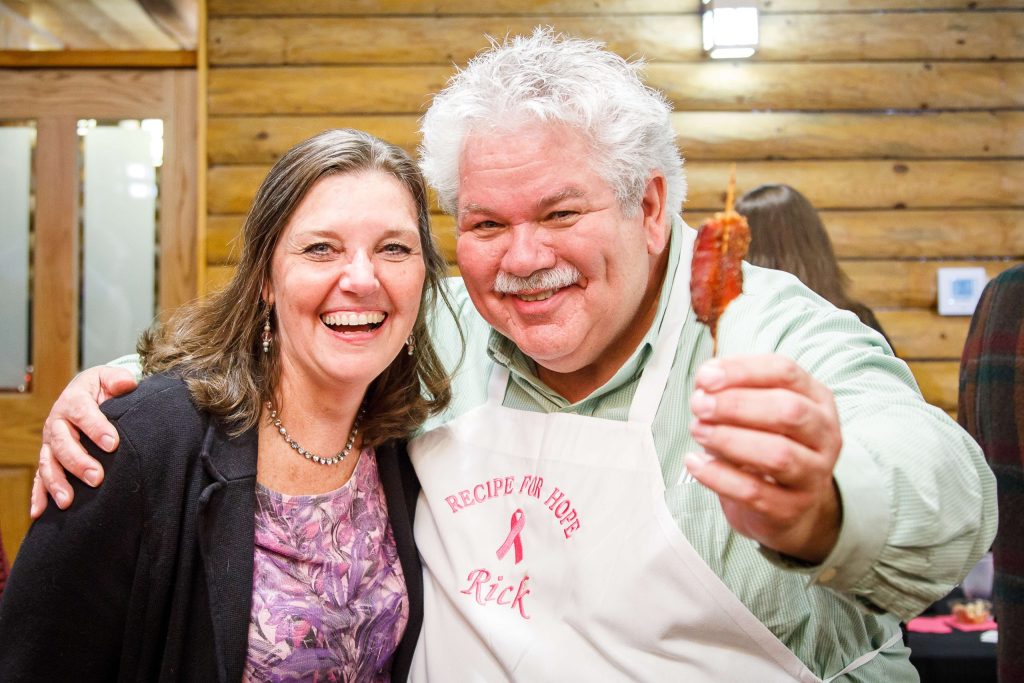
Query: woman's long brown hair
[(215, 343), (786, 233)]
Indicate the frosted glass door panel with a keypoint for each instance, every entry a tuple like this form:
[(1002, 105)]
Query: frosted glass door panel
[(118, 241), (15, 217)]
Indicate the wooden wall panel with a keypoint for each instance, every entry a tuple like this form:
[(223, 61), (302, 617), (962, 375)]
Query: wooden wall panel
[(827, 184), (721, 135), (840, 85), (906, 284), (15, 487), (672, 37), (602, 7), (902, 120), (689, 86), (730, 135), (929, 233), (938, 380), (918, 334)]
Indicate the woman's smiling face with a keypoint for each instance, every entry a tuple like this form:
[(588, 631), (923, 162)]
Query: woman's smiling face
[(346, 281)]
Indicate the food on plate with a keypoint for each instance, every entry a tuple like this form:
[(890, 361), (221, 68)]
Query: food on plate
[(973, 612)]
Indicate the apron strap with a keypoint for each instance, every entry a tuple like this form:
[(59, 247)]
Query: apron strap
[(651, 387), (866, 657), (496, 385)]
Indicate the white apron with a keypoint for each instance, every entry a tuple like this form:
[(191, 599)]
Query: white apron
[(549, 552)]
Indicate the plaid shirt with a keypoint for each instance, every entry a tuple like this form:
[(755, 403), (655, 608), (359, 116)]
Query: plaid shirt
[(992, 410)]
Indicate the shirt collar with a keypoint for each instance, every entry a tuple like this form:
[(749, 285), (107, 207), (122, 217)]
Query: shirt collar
[(504, 352)]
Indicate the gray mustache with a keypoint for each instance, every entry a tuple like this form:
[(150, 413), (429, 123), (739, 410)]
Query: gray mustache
[(552, 278)]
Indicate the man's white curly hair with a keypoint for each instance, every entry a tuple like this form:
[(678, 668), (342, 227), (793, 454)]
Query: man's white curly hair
[(551, 77)]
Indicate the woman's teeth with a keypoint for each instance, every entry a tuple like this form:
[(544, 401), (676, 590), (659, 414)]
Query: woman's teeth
[(373, 319), (538, 296)]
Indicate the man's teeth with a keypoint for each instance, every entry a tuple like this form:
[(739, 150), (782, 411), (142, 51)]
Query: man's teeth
[(539, 296), (365, 318)]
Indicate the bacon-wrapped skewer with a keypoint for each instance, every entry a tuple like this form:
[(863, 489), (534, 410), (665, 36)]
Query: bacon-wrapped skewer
[(715, 274)]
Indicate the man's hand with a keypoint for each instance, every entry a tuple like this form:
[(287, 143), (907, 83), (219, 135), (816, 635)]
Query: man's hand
[(771, 436), (77, 408)]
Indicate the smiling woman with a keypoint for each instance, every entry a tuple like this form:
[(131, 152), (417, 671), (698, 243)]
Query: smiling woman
[(337, 271)]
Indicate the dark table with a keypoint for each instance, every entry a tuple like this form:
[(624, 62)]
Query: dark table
[(957, 657)]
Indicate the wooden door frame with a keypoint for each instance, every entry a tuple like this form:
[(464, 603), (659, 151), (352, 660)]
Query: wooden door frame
[(55, 99)]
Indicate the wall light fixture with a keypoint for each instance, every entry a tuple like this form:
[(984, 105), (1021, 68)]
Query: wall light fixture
[(730, 28)]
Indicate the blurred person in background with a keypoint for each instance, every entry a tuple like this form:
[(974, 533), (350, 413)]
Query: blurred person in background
[(991, 408), (786, 233)]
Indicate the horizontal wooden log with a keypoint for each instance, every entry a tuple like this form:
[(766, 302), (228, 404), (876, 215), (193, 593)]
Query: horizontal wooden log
[(829, 86), (15, 487), (223, 239), (449, 7), (437, 40), (827, 184), (702, 86), (224, 247), (812, 135), (217, 277), (781, 6), (441, 7), (932, 233), (906, 284), (658, 37), (230, 189), (20, 430), (703, 136), (918, 333), (935, 233), (939, 382), (324, 90), (868, 37), (868, 184), (262, 140)]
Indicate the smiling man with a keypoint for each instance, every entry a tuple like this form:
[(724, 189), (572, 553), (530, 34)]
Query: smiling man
[(604, 501)]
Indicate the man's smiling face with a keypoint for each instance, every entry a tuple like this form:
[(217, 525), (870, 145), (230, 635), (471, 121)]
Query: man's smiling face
[(547, 254)]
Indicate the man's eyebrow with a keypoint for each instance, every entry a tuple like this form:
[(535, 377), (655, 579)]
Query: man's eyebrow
[(570, 192), (473, 208)]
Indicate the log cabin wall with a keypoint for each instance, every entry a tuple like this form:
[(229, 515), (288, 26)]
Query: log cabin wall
[(902, 120)]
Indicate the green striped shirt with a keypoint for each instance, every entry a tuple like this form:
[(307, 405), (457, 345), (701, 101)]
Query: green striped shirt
[(918, 497)]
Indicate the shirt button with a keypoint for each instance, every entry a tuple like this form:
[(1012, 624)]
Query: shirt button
[(827, 575)]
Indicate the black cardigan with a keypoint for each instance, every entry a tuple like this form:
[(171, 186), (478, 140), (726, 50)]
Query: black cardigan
[(149, 576)]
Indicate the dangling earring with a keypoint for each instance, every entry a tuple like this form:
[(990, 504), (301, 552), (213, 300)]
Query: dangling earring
[(411, 343), (268, 338)]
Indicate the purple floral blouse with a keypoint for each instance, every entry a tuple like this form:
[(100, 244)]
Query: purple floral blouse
[(329, 600)]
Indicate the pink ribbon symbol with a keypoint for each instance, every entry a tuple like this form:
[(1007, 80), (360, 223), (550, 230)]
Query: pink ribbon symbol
[(516, 525)]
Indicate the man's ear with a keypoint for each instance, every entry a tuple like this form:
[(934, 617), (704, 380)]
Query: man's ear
[(657, 221)]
